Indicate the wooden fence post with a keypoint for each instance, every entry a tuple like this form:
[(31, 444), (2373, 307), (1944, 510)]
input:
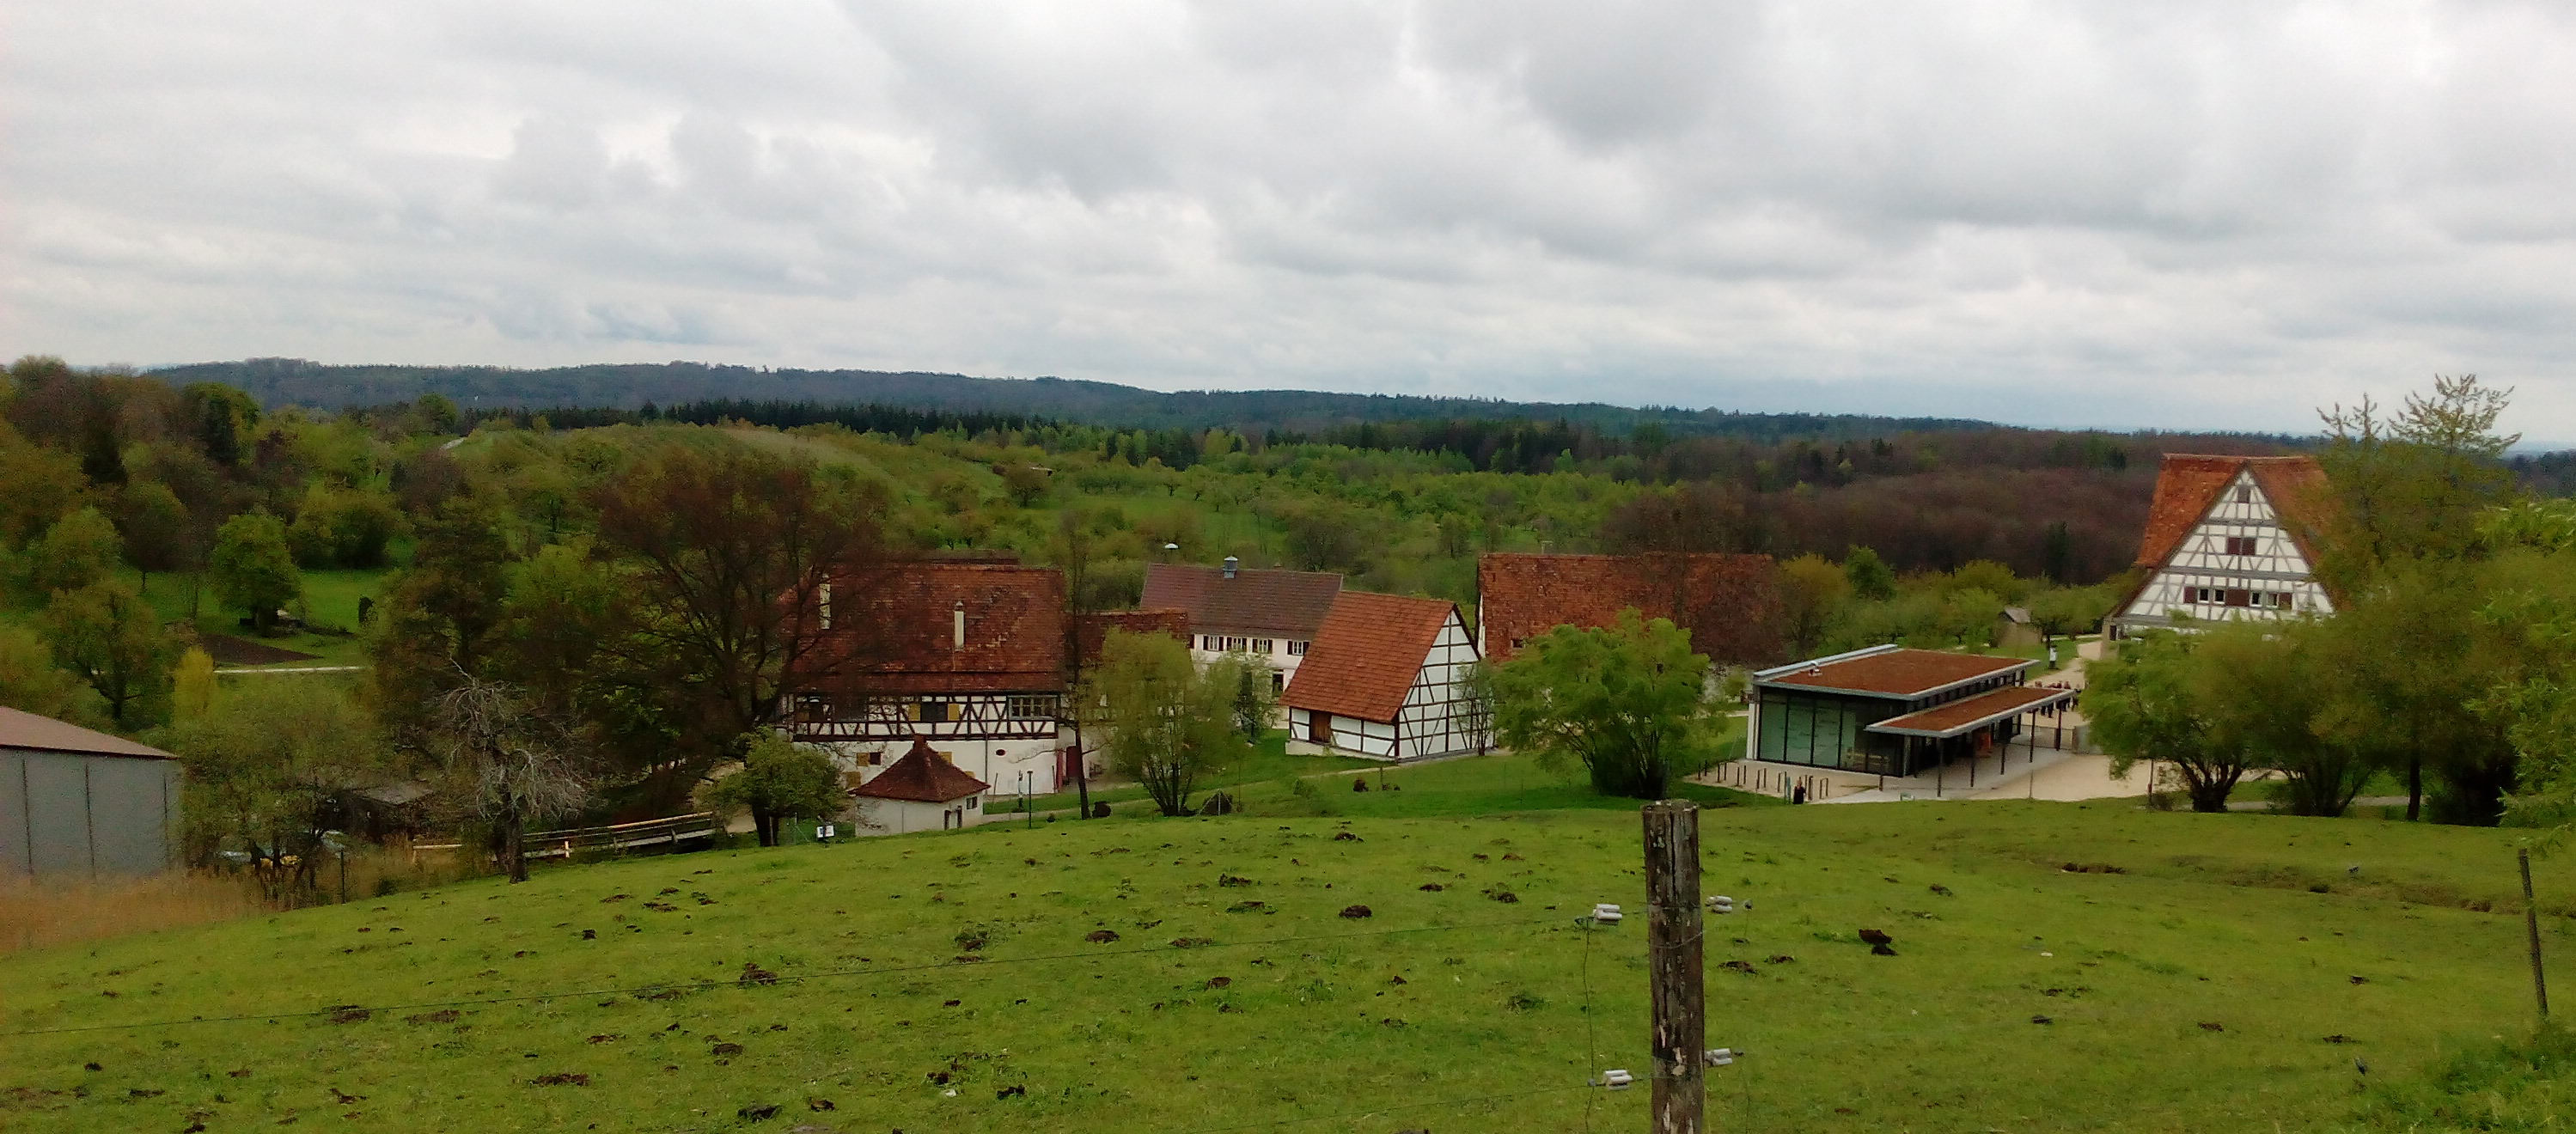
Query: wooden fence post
[(2531, 925), (1679, 1025)]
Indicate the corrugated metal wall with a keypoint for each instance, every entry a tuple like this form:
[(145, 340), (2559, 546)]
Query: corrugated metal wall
[(74, 816)]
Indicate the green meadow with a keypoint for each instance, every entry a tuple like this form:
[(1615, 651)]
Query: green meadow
[(2190, 973)]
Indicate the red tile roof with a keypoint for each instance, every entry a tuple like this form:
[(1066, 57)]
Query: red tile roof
[(1892, 673), (1969, 712), (1367, 655), (1095, 627), (20, 729), (1729, 603), (2188, 484), (895, 626), (1270, 604), (921, 777)]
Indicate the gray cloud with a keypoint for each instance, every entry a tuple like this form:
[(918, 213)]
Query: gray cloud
[(2198, 214)]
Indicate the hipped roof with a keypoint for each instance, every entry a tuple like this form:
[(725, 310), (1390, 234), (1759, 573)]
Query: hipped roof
[(920, 776), (20, 729), (1367, 655), (1282, 604)]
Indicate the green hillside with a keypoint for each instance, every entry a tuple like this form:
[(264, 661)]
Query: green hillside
[(2226, 975)]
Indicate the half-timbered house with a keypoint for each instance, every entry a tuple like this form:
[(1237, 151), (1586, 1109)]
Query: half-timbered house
[(1387, 679), (967, 657), (1273, 615), (1729, 603), (2228, 538)]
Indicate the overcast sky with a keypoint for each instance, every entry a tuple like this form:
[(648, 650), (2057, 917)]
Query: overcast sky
[(2204, 215)]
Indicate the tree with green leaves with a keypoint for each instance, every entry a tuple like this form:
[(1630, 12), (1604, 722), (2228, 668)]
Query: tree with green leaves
[(779, 782), (79, 549), (1871, 579), (110, 637), (265, 769), (192, 684), (1813, 593), (2273, 691), (2146, 703), (252, 569), (1628, 701), (31, 682), (156, 529), (1167, 724)]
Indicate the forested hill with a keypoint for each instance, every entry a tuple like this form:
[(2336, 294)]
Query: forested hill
[(278, 381)]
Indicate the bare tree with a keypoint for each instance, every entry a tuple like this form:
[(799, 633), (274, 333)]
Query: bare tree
[(516, 765)]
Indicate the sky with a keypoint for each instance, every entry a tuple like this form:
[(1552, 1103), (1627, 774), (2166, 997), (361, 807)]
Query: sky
[(2214, 215)]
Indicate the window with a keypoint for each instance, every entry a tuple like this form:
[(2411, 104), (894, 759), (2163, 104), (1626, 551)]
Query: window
[(2244, 494), (1261, 645), (1030, 706), (1296, 649), (1278, 683), (931, 712), (2240, 545)]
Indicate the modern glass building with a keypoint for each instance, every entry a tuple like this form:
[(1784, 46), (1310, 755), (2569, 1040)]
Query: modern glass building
[(1890, 711)]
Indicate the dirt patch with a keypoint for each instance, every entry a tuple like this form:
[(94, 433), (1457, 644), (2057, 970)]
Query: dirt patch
[(229, 650)]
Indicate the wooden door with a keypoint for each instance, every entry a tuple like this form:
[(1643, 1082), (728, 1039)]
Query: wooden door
[(1322, 728)]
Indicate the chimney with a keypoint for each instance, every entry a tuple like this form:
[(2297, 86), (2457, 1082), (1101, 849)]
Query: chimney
[(957, 621), (1229, 566)]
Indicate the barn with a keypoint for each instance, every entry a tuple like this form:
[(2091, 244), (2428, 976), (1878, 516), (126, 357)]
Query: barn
[(1387, 679), (77, 804)]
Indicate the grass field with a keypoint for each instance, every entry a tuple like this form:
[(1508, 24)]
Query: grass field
[(946, 982), (330, 597)]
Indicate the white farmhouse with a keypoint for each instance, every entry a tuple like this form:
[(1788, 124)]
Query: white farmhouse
[(1387, 679), (1273, 615), (2228, 538)]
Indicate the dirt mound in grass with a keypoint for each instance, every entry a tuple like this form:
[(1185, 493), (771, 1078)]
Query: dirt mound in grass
[(229, 650)]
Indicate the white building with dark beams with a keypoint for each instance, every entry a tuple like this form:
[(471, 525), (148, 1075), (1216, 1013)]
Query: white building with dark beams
[(1272, 615), (967, 658), (2229, 538), (1388, 679)]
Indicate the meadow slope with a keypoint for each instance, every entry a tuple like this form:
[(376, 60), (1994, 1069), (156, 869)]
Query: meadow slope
[(2226, 979)]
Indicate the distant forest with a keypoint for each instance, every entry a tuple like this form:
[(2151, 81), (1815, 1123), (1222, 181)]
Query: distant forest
[(1300, 413)]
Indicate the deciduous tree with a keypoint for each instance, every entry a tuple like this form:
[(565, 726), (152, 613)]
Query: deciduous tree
[(110, 637), (1167, 724), (515, 766), (779, 782), (1628, 701), (252, 569), (2145, 703)]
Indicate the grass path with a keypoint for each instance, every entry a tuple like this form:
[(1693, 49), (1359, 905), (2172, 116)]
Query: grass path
[(947, 982)]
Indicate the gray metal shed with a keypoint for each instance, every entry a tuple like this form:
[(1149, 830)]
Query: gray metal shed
[(81, 804)]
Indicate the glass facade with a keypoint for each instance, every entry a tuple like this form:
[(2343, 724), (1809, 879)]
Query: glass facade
[(1830, 730)]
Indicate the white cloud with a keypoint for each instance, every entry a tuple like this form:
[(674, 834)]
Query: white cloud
[(2195, 214)]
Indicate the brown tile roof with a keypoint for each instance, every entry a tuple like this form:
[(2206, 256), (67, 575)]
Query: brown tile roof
[(1729, 603), (1891, 673), (895, 627), (20, 729), (1969, 712), (1367, 655), (1095, 627), (1270, 604), (2187, 484), (920, 776)]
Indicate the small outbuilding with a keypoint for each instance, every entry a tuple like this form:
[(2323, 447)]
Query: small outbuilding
[(919, 792), (78, 804)]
